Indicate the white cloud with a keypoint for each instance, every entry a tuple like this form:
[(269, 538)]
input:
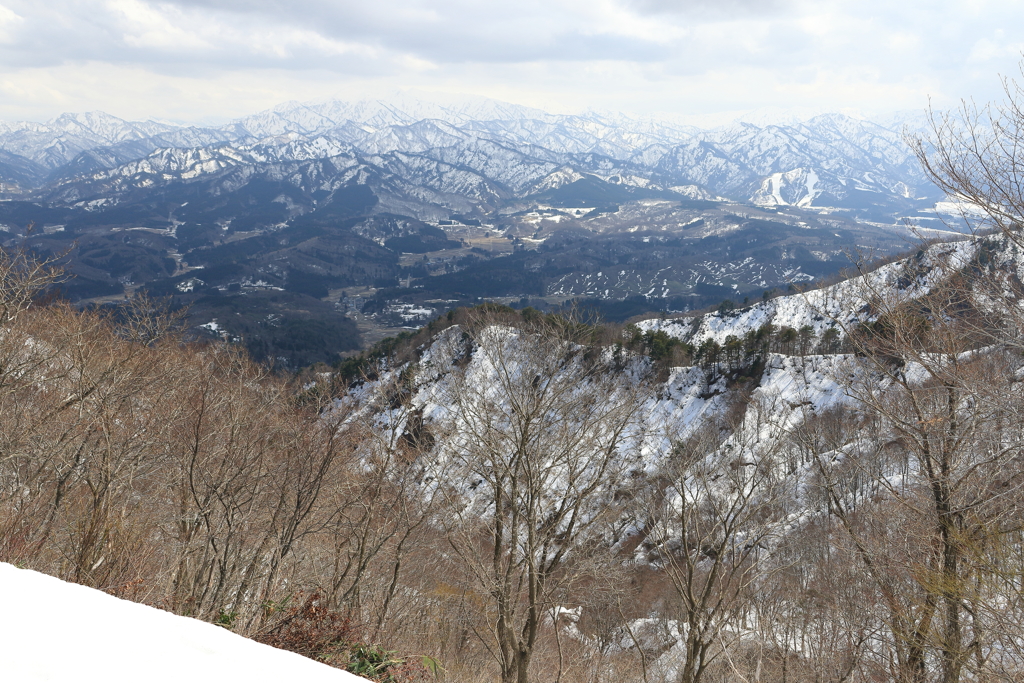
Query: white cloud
[(8, 24), (225, 58), (147, 27)]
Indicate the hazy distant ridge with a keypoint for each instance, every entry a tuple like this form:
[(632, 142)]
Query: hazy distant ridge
[(828, 160)]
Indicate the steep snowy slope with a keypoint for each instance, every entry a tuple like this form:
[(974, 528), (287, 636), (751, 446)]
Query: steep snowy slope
[(55, 631), (790, 388)]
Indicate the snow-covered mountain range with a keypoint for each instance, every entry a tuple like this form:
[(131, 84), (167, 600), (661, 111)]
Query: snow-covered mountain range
[(476, 149)]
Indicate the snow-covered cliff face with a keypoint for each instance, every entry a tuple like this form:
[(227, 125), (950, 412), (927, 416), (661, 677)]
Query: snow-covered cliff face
[(828, 161), (790, 389)]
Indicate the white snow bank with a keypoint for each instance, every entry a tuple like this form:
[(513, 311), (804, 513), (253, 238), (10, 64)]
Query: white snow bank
[(58, 631)]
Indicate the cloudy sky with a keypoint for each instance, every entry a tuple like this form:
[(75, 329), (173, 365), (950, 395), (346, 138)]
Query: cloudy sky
[(213, 60)]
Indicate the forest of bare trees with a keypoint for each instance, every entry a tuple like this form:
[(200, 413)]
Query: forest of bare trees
[(501, 499)]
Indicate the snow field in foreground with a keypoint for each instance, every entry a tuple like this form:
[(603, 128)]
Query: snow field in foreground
[(62, 632)]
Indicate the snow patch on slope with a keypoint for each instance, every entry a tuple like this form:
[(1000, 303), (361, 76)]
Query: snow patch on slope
[(58, 631)]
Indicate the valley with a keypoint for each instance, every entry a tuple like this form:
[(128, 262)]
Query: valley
[(421, 207)]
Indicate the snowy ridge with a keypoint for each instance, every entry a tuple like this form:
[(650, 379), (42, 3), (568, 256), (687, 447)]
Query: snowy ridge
[(845, 303), (689, 396), (59, 140), (830, 158)]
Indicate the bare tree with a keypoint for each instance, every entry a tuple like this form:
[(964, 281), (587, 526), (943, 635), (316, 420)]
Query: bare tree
[(715, 513), (813, 610), (973, 154), (23, 279), (376, 505), (912, 478), (537, 427)]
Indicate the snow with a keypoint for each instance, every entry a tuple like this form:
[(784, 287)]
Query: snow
[(411, 312), (845, 302), (776, 188), (57, 631), (959, 209), (190, 284), (812, 181), (791, 389)]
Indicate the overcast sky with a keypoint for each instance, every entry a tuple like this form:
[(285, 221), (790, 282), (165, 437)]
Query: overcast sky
[(213, 60)]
